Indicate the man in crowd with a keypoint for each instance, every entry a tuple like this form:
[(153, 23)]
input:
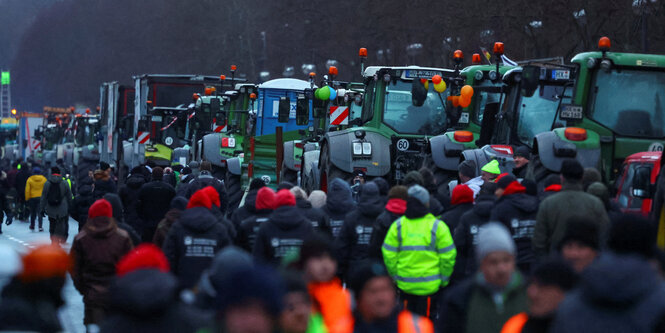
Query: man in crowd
[(56, 202)]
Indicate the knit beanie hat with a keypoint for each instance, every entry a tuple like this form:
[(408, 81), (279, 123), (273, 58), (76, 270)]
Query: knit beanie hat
[(493, 237), (256, 184), (461, 194), (420, 193), (213, 195), (467, 168), (199, 199), (157, 173), (522, 151), (43, 262), (298, 192), (100, 207), (317, 198), (178, 202), (504, 180), (580, 229), (383, 185), (265, 199), (492, 167), (413, 178), (285, 198), (144, 256)]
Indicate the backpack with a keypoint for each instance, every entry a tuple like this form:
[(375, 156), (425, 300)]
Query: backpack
[(54, 195)]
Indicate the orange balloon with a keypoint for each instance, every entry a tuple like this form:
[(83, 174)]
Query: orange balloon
[(464, 101), (455, 101), (436, 79), (467, 91)]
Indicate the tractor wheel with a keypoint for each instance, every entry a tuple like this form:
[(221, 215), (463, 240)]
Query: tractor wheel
[(288, 175), (329, 172)]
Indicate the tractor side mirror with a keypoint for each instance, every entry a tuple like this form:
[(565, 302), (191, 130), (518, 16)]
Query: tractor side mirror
[(642, 182), (302, 111), (284, 109), (530, 80)]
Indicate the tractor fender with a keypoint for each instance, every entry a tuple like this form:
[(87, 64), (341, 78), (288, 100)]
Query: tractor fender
[(445, 152), (211, 149), (90, 153), (310, 161), (341, 153), (49, 157), (181, 156), (553, 150), (289, 161), (484, 155), (233, 166)]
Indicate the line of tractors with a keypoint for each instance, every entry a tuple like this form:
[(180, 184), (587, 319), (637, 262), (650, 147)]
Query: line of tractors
[(601, 108)]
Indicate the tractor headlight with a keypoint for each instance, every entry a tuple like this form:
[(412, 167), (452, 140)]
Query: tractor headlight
[(357, 148), (367, 148)]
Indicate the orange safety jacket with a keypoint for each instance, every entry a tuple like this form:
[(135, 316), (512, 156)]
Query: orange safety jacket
[(516, 323), (407, 322)]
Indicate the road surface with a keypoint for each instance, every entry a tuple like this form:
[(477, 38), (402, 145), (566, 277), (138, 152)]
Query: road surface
[(18, 236)]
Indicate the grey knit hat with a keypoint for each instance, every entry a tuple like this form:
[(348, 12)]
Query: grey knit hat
[(493, 237), (420, 193)]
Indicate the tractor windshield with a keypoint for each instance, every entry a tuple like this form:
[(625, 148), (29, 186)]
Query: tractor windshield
[(536, 113), (86, 131), (483, 98), (171, 130), (629, 102), (401, 115)]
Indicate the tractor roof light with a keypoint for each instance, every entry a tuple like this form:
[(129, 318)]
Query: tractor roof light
[(195, 96), (362, 52), (386, 78), (208, 91), (575, 134), (463, 136), (606, 65), (312, 75), (498, 48), (222, 77), (333, 71), (476, 59), (604, 44), (591, 63), (458, 56), (252, 96), (233, 68)]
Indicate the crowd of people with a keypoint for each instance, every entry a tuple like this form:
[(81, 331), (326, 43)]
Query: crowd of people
[(167, 252)]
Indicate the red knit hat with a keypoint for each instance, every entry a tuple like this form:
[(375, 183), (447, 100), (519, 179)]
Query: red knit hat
[(265, 199), (285, 198), (461, 194), (101, 207), (144, 256), (213, 195), (199, 199)]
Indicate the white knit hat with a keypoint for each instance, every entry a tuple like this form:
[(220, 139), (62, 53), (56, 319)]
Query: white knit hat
[(494, 237)]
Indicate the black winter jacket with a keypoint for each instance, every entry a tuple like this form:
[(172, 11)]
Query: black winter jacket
[(518, 213), (205, 179), (153, 202), (353, 241), (394, 209), (81, 204), (249, 228), (245, 211), (314, 215), (453, 215), (282, 235), (465, 236), (339, 202), (129, 195), (192, 243)]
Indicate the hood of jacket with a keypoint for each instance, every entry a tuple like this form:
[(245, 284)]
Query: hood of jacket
[(415, 209), (396, 206), (144, 293), (618, 281), (287, 217), (484, 204), (116, 204), (100, 227), (135, 181), (523, 202), (37, 179), (303, 203), (250, 201), (198, 219), (370, 202), (339, 196)]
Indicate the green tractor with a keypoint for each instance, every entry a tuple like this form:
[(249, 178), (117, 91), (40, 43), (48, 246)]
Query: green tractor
[(618, 105)]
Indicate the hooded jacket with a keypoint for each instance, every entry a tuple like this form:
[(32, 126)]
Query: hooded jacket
[(282, 235), (206, 179), (116, 205), (154, 201), (178, 204), (615, 294), (192, 243), (103, 184), (393, 210), (129, 195), (465, 235), (462, 202), (34, 186), (353, 242), (61, 210), (517, 211), (250, 227), (146, 300), (81, 204), (315, 216), (339, 202), (21, 180), (243, 212), (95, 252)]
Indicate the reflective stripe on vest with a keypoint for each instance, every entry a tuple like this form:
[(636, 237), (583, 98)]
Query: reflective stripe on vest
[(430, 247), (516, 323), (410, 323), (421, 278)]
